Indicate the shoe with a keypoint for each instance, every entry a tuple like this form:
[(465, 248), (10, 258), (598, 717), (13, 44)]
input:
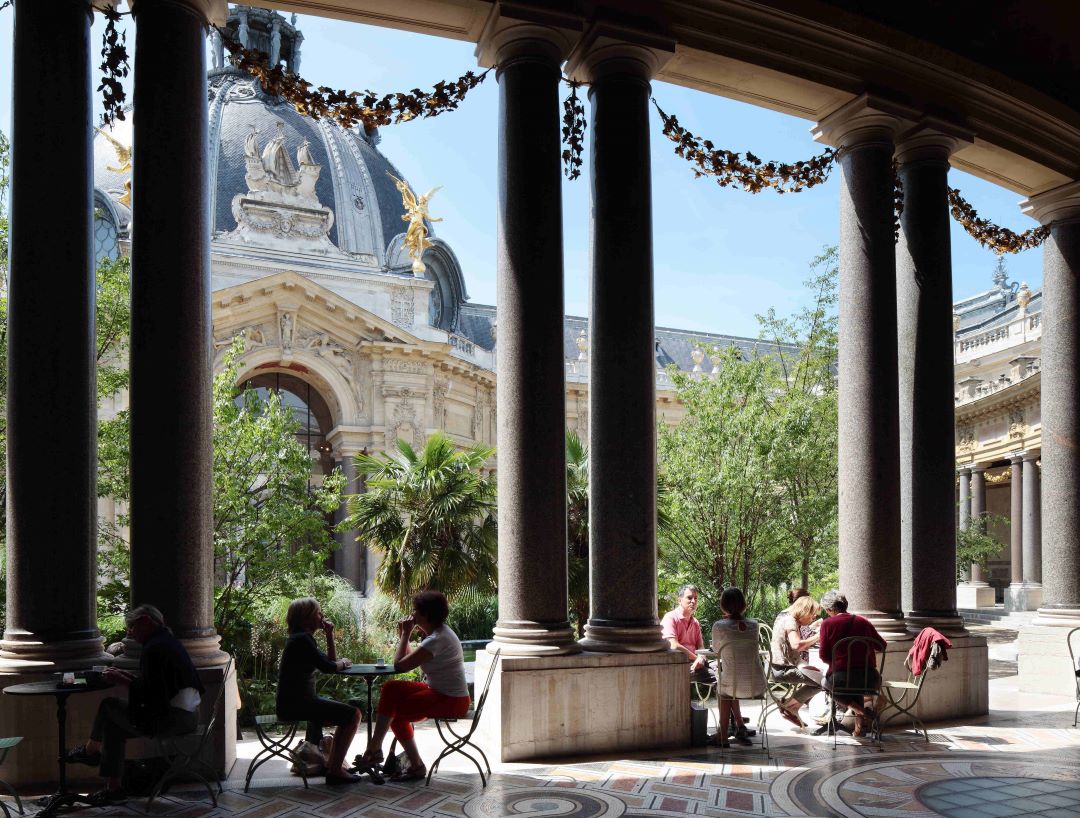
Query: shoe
[(860, 726), (411, 774), (336, 780), (743, 737), (792, 716), (79, 755), (103, 798)]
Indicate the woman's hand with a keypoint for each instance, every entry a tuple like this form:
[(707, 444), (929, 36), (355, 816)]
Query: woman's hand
[(327, 627), (405, 626), (117, 676), (343, 664)]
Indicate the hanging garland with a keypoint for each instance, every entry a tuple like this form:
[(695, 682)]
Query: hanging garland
[(999, 239), (897, 200), (573, 132), (350, 108), (750, 173), (115, 66)]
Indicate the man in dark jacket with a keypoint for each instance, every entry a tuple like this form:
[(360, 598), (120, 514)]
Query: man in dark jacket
[(163, 699)]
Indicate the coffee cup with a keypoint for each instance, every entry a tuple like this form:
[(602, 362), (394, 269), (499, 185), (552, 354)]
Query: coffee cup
[(93, 677)]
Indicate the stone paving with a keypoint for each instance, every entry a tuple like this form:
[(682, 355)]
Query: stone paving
[(1024, 759)]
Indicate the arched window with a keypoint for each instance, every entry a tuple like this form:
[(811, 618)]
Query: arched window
[(308, 407)]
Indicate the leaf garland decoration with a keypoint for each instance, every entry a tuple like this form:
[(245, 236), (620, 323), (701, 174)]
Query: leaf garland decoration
[(573, 132), (115, 66), (350, 108), (731, 169), (999, 239), (897, 200)]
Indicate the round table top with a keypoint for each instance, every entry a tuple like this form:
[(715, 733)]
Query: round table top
[(51, 687), (369, 670)]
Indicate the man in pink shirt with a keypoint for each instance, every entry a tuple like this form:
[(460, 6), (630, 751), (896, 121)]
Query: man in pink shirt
[(683, 631)]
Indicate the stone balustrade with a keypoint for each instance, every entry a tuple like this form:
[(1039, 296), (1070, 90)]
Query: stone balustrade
[(1026, 328)]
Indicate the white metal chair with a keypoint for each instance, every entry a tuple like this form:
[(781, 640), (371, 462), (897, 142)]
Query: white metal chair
[(457, 742), (897, 694), (746, 682), (1073, 639), (5, 746)]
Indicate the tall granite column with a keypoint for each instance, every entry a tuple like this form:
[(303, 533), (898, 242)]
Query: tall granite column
[(978, 512), (172, 556), (52, 401), (1032, 543), (1014, 593), (531, 442), (349, 563), (869, 446), (1060, 208), (622, 362), (965, 497), (927, 406)]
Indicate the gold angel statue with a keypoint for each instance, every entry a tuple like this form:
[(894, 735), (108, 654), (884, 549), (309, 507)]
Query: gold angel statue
[(123, 156), (416, 211)]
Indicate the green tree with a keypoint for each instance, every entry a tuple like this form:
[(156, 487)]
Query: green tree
[(432, 515), (577, 529), (975, 546), (271, 535), (804, 357)]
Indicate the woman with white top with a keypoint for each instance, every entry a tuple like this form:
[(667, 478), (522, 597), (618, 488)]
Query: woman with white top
[(444, 695)]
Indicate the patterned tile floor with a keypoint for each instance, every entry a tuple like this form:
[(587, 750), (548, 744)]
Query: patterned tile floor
[(1024, 759)]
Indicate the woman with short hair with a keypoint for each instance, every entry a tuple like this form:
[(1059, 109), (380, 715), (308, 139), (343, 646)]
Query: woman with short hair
[(296, 697), (445, 695), (853, 668), (789, 657)]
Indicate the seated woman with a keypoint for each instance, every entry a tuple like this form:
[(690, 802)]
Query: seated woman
[(445, 695), (789, 656), (735, 641), (296, 699)]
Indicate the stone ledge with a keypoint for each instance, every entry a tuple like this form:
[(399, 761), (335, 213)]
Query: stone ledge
[(586, 659)]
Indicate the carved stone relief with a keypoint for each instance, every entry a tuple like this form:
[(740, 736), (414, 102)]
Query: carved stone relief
[(966, 439), (402, 309), (1017, 427), (438, 402), (402, 421), (398, 365)]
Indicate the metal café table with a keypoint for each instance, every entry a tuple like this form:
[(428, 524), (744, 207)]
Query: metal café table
[(369, 673), (62, 797)]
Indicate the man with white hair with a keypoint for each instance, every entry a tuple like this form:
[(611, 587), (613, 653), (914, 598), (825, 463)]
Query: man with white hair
[(162, 700)]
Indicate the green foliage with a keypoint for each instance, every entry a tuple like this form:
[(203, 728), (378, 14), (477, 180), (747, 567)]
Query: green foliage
[(975, 546), (270, 525), (747, 494), (432, 515), (577, 529)]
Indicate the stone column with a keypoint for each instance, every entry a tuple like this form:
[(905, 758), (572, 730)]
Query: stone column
[(622, 363), (52, 400), (172, 556), (1014, 593), (978, 512), (869, 463), (965, 496), (533, 611), (349, 563), (1060, 403), (1044, 661), (1032, 545), (927, 406)]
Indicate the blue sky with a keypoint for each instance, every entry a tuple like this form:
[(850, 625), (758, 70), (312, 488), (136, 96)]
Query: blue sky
[(721, 255)]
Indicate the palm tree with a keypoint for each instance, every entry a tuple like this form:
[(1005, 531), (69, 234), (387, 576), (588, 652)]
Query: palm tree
[(432, 515), (577, 528)]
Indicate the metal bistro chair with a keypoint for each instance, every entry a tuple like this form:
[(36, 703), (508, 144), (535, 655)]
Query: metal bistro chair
[(1073, 639), (703, 690), (776, 691), (896, 693), (190, 763), (457, 742), (854, 690), (749, 685), (5, 746), (271, 746)]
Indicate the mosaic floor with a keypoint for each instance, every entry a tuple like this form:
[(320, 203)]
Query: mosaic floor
[(1024, 759)]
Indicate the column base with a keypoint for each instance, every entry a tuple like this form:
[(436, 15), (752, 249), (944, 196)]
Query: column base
[(974, 595), (1043, 661), (204, 650), (891, 625), (1026, 596), (534, 639), (539, 707), (27, 652), (613, 638), (949, 623)]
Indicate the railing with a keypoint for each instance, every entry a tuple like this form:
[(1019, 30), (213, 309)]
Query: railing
[(1001, 382), (577, 371), (462, 345), (1026, 328)]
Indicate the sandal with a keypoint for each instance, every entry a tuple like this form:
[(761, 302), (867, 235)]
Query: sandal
[(411, 774), (791, 715), (351, 778), (80, 755), (103, 798)]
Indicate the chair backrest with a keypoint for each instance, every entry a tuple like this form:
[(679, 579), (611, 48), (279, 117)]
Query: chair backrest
[(1073, 640), (859, 653), (765, 636), (211, 719), (478, 705), (742, 675)]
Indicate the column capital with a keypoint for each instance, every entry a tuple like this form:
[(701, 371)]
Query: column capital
[(964, 468), (1059, 204), (931, 140), (1015, 457), (867, 119), (211, 12), (606, 49), (1032, 454), (514, 31)]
